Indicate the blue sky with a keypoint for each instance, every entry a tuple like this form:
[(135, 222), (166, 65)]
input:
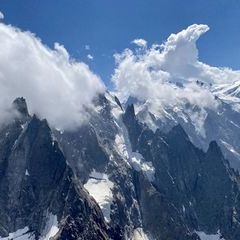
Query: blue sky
[(108, 26)]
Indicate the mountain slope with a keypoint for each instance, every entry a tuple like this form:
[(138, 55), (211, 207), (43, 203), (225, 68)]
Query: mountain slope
[(202, 125), (113, 178), (201, 187), (38, 189)]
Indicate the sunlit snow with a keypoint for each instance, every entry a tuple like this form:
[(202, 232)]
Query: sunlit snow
[(123, 145), (138, 234), (51, 227), (100, 188)]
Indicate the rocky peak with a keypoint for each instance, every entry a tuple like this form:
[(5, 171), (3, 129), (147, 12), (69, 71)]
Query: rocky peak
[(21, 106), (192, 190), (118, 102), (178, 132), (213, 147), (130, 111), (37, 186)]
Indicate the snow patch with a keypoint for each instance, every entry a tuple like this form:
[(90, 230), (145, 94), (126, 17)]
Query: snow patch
[(138, 164), (183, 208), (230, 148), (136, 160), (21, 234), (50, 231), (51, 228), (234, 124), (100, 188), (27, 173), (138, 234), (204, 236), (116, 110)]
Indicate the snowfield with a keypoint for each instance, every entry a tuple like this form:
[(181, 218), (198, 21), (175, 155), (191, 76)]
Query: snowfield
[(100, 188)]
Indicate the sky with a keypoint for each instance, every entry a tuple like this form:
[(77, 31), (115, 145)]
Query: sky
[(59, 55), (94, 30)]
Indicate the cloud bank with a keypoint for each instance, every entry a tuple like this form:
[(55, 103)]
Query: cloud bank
[(152, 73), (55, 86)]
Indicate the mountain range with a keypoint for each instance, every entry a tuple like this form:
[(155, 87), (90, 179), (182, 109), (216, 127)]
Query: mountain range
[(128, 172)]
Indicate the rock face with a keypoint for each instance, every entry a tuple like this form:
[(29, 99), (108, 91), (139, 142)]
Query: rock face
[(198, 190), (112, 178), (36, 182), (202, 126)]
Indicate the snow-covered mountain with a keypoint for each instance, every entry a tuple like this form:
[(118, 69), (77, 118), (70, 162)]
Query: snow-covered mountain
[(40, 196), (117, 176), (230, 91), (158, 159), (202, 124)]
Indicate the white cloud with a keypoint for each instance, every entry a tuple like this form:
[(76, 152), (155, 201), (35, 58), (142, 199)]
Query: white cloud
[(90, 57), (151, 74), (55, 86), (87, 47), (140, 42), (1, 16)]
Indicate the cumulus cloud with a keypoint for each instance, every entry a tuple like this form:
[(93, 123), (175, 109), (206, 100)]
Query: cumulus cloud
[(87, 47), (90, 57), (154, 74), (56, 86), (1, 16), (140, 42)]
